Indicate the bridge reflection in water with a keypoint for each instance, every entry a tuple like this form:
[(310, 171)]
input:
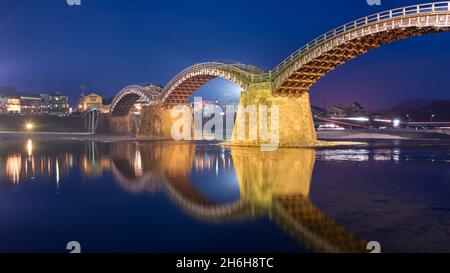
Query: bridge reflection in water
[(274, 185)]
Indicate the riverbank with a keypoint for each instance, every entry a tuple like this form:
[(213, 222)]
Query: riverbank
[(42, 123), (381, 135), (82, 136), (326, 138), (7, 135)]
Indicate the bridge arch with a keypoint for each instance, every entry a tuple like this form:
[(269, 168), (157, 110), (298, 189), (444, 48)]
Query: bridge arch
[(127, 97), (183, 85), (302, 69), (128, 180)]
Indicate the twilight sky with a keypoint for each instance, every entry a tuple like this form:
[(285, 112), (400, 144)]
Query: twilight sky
[(48, 45)]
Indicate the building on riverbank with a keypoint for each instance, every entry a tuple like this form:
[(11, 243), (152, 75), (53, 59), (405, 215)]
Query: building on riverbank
[(13, 102), (57, 104), (32, 105), (7, 93), (13, 105), (336, 111), (91, 101)]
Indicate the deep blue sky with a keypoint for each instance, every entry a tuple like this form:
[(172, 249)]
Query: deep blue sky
[(106, 45)]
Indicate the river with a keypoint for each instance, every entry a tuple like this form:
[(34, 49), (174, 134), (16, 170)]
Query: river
[(178, 197)]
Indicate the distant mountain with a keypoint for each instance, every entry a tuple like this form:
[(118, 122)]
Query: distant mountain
[(421, 110), (412, 104)]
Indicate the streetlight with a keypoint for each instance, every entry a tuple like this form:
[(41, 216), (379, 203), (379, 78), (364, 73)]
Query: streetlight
[(396, 123), (432, 117), (29, 126)]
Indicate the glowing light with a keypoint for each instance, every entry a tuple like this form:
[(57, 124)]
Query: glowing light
[(352, 118), (13, 167), (138, 163), (396, 123), (359, 119), (30, 147), (217, 167), (383, 120), (57, 174), (29, 126)]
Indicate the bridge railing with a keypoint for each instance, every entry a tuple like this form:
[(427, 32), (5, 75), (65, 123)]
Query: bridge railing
[(234, 69), (428, 8), (368, 20)]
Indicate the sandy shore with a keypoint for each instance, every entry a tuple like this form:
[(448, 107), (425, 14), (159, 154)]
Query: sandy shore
[(381, 134), (365, 136)]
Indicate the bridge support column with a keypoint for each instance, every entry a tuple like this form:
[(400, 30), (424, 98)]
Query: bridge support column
[(157, 122), (120, 124), (103, 123), (296, 127)]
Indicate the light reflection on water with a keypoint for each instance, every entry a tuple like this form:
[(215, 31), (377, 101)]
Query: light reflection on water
[(344, 154), (394, 154), (208, 183)]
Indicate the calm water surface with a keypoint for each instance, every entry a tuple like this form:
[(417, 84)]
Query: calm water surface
[(148, 197)]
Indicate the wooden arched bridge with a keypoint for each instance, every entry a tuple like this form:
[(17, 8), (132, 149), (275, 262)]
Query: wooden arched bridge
[(286, 85)]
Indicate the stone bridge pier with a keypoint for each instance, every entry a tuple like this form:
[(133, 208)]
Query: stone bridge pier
[(295, 123), (157, 122), (122, 125)]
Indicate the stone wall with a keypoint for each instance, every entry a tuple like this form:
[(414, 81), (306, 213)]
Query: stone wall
[(156, 123), (120, 125), (103, 124), (296, 127)]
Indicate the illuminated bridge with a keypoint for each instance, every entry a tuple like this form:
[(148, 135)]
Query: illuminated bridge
[(287, 85), (127, 97)]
